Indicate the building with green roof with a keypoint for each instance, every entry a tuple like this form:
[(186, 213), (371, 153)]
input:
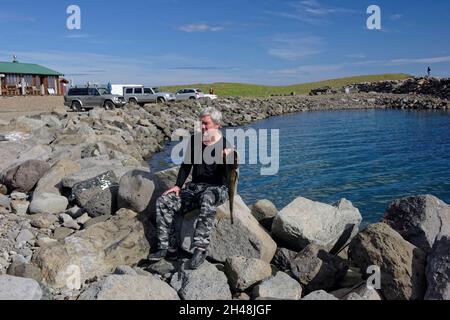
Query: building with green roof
[(34, 78)]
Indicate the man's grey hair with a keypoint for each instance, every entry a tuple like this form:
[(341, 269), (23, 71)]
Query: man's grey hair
[(216, 115)]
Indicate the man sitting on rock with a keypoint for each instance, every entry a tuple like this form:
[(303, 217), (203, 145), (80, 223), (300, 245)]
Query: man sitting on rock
[(209, 189)]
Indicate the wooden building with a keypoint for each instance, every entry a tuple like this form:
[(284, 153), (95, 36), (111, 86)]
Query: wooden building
[(18, 78)]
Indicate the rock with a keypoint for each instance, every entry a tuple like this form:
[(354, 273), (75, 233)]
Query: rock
[(121, 270), (419, 220), (18, 196), (87, 174), (204, 283), (16, 288), (103, 202), (402, 264), (164, 267), (31, 124), (61, 233), (45, 242), (43, 220), (5, 202), (24, 236), (280, 286), (244, 238), (131, 287), (96, 251), (84, 191), (304, 221), (23, 177), (316, 269), (282, 259), (20, 207), (75, 212), (25, 270), (83, 219), (242, 273), (264, 211), (3, 189), (320, 295), (136, 189), (365, 293), (48, 203), (51, 181), (438, 271), (68, 222), (96, 220), (36, 152)]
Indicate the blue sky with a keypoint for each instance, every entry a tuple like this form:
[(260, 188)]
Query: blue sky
[(161, 42)]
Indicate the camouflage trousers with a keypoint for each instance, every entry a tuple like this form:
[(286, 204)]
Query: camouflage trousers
[(195, 195)]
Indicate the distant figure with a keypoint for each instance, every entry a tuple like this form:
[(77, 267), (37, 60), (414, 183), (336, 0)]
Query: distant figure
[(109, 87), (429, 71), (211, 91)]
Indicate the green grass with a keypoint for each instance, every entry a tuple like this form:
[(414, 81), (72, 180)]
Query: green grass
[(253, 90)]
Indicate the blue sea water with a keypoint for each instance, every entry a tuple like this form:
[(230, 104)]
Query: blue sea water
[(369, 157)]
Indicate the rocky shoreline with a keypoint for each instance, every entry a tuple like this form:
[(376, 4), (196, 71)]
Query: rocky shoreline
[(77, 215)]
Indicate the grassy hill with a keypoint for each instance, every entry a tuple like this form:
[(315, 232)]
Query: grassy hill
[(253, 90)]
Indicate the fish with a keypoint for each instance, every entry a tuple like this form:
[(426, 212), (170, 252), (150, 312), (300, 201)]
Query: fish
[(232, 188)]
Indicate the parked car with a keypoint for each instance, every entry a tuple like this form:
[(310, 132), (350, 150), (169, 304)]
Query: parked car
[(142, 95), (85, 98), (189, 93)]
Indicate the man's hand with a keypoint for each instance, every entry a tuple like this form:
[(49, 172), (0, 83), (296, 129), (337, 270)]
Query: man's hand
[(174, 189)]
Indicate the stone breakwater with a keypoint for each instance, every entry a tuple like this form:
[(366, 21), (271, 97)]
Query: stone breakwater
[(436, 87), (77, 217)]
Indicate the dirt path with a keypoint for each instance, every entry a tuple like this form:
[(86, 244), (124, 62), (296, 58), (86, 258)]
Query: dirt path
[(11, 107)]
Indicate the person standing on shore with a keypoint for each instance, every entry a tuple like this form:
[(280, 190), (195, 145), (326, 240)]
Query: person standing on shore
[(207, 191), (429, 72)]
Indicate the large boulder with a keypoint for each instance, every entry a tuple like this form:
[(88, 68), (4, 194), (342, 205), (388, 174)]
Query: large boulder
[(402, 264), (316, 269), (244, 238), (48, 203), (136, 189), (420, 220), (130, 287), (98, 194), (24, 176), (205, 283), (87, 174), (438, 271), (279, 286), (242, 273), (17, 288), (304, 221), (95, 251), (103, 202), (51, 181)]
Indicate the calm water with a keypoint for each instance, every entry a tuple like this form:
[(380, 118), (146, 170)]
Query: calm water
[(370, 157)]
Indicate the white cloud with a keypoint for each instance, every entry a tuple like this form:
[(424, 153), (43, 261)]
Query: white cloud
[(292, 47), (396, 16), (200, 27), (310, 11)]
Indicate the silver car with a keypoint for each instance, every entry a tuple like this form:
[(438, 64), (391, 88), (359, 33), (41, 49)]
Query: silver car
[(85, 98), (141, 95)]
